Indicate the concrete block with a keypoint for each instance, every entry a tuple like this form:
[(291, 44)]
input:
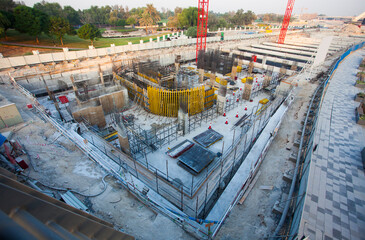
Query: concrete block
[(296, 143), (293, 158), (287, 177), (277, 209)]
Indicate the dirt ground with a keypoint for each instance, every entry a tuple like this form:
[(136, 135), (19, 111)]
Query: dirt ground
[(254, 218), (56, 162), (12, 51)]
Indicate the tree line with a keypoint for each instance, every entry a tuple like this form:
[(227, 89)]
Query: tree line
[(57, 21)]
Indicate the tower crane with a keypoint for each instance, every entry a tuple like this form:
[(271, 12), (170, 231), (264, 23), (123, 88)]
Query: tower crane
[(286, 20), (201, 36)]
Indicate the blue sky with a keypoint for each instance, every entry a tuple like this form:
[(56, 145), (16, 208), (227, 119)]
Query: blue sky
[(328, 7)]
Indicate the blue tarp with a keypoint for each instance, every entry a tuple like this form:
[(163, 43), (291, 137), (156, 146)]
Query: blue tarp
[(2, 139)]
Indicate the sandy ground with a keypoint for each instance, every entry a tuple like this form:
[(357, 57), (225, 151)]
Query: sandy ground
[(254, 219)]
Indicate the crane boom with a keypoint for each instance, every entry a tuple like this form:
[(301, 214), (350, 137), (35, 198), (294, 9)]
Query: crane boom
[(286, 20)]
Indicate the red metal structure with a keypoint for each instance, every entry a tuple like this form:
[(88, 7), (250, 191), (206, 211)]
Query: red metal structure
[(201, 40), (286, 20)]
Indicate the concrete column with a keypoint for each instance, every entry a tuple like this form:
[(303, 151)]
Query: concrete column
[(183, 117), (150, 39), (101, 76), (201, 75), (264, 60), (75, 89), (65, 51), (234, 72), (122, 137), (158, 39), (219, 29), (221, 102), (163, 38), (222, 91), (140, 41), (212, 79), (112, 46)]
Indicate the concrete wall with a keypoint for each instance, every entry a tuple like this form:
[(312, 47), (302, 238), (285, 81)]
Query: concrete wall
[(114, 101), (101, 52), (9, 116), (94, 115)]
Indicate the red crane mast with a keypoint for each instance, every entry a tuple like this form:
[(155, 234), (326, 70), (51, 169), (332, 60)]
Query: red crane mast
[(201, 38), (286, 20)]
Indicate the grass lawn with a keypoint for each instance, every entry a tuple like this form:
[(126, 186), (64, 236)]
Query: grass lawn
[(73, 41)]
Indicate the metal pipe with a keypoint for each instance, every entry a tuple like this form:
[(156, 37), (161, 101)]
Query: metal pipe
[(292, 186)]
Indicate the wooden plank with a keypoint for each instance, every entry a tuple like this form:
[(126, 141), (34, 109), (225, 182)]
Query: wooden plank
[(252, 184)]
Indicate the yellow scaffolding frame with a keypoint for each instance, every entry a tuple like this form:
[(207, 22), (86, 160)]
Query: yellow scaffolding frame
[(167, 102)]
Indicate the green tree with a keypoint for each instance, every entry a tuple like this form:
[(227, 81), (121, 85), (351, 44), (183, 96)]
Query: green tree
[(239, 18), (173, 21), (192, 32), (189, 17), (59, 27), (222, 23), (72, 15), (146, 21), (249, 17), (51, 9), (89, 31), (213, 21), (150, 16), (31, 21), (8, 5), (121, 23), (6, 21), (131, 20)]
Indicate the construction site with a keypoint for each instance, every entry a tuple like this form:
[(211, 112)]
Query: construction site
[(115, 143)]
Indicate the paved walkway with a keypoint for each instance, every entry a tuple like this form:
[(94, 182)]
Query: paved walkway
[(334, 206)]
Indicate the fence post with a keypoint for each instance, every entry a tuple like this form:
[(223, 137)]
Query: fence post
[(196, 207), (182, 198), (192, 185), (156, 181), (135, 166)]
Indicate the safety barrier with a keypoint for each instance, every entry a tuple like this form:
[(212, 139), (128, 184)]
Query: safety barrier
[(102, 52)]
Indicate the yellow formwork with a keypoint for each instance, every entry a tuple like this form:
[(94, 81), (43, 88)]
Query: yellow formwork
[(209, 98), (134, 92), (243, 80), (147, 77), (239, 69), (264, 101), (167, 102), (223, 82)]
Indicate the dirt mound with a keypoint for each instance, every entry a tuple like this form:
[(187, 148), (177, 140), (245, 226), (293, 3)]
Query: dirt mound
[(349, 28)]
